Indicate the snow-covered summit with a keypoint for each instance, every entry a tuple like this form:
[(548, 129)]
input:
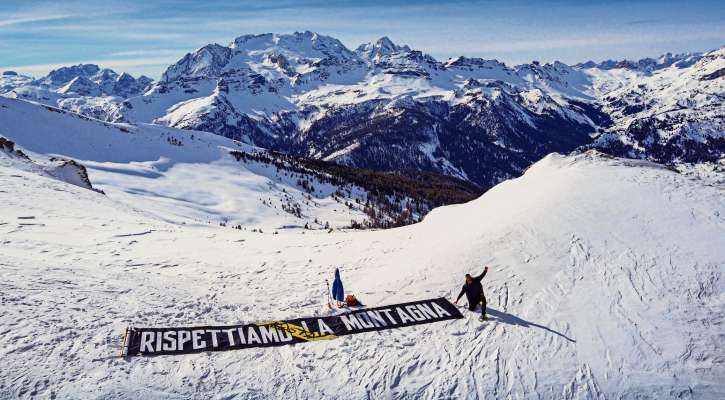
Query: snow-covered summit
[(303, 44), (301, 51), (374, 51), (206, 61), (125, 85), (63, 75), (109, 82)]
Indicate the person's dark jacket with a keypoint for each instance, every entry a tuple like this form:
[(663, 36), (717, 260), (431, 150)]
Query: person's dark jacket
[(473, 291)]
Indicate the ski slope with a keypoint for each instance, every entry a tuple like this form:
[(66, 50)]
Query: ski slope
[(605, 282)]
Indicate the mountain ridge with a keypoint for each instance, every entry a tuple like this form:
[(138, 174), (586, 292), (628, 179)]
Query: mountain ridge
[(386, 106)]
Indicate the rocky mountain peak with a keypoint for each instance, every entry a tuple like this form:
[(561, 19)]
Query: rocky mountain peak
[(81, 85), (64, 75), (374, 51)]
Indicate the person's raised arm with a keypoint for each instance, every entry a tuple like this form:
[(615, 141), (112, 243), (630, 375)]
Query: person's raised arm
[(478, 278)]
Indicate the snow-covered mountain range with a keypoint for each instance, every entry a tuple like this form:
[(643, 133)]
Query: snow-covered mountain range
[(389, 107), (84, 88)]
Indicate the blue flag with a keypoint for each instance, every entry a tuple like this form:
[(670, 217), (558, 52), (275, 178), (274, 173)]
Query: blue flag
[(338, 293)]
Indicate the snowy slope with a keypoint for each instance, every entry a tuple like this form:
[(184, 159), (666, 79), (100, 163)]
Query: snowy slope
[(181, 176), (605, 282), (197, 177)]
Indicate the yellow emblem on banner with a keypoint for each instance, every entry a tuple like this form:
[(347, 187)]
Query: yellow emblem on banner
[(297, 331)]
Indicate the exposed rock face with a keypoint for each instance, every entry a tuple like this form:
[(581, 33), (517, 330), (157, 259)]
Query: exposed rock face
[(61, 169), (70, 171), (8, 147)]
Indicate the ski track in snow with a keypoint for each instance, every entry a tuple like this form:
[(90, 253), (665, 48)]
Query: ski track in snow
[(605, 282)]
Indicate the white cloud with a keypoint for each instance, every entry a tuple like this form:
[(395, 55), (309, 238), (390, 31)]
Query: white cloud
[(581, 46), (146, 52), (20, 19), (148, 65), (595, 40)]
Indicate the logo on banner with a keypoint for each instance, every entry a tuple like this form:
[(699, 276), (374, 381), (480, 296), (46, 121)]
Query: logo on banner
[(299, 331)]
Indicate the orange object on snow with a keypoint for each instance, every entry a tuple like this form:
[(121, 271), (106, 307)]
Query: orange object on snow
[(350, 300)]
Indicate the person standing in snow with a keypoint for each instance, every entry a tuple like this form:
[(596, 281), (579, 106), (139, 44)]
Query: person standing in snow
[(474, 293), (338, 293)]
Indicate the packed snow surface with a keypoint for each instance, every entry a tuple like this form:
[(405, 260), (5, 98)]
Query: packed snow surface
[(605, 282)]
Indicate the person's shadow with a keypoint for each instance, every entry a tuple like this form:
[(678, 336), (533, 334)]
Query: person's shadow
[(507, 318)]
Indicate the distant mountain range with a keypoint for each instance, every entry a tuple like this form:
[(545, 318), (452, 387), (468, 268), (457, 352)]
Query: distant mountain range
[(388, 107), (86, 88)]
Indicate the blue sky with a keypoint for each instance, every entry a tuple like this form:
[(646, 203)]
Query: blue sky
[(147, 36)]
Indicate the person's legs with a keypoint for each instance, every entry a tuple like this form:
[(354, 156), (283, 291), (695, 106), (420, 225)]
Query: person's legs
[(483, 306)]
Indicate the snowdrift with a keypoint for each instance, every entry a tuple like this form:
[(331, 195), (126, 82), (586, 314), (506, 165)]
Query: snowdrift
[(605, 282)]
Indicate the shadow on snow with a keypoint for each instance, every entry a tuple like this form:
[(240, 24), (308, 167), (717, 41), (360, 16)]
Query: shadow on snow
[(500, 316)]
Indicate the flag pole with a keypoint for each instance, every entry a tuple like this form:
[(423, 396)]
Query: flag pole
[(329, 305), (123, 346)]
